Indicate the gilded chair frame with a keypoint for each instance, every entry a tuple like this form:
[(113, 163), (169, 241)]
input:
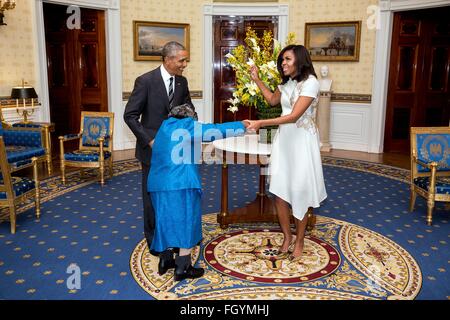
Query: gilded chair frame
[(48, 147), (11, 201), (430, 195), (101, 148)]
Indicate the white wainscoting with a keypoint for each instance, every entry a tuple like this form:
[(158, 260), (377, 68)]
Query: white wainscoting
[(128, 140), (200, 109), (349, 126)]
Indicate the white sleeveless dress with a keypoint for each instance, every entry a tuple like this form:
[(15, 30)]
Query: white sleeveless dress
[(295, 169)]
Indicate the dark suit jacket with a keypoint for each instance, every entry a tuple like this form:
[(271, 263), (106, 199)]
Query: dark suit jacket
[(148, 107)]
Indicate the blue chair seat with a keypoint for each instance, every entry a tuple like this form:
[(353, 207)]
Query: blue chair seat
[(442, 184), (19, 153), (20, 186), (85, 155)]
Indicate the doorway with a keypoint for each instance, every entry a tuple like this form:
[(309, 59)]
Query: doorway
[(76, 68), (229, 32), (419, 75)]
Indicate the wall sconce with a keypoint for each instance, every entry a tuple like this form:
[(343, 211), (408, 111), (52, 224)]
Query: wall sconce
[(6, 5), (24, 92)]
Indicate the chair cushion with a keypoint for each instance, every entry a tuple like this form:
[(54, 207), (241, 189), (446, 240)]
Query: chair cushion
[(442, 184), (434, 147), (85, 156), (94, 128), (20, 186), (19, 153)]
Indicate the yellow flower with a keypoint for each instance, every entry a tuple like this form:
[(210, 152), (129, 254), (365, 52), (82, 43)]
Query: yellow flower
[(250, 62), (262, 52), (252, 88)]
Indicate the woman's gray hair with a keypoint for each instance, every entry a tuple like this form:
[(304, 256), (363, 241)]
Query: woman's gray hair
[(183, 111), (171, 48)]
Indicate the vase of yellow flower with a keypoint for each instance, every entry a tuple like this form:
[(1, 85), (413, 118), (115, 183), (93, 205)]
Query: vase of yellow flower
[(262, 52)]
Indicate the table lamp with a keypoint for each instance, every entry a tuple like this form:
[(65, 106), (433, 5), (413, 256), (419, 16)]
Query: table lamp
[(24, 92)]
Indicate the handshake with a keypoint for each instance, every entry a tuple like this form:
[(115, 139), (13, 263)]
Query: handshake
[(252, 125)]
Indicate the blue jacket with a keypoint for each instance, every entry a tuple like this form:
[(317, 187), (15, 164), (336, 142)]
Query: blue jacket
[(177, 152)]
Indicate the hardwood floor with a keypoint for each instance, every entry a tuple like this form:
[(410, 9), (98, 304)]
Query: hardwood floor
[(399, 160)]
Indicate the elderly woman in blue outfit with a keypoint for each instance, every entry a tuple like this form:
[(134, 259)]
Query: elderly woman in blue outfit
[(175, 187)]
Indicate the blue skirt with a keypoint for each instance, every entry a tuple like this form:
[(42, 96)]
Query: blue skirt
[(178, 219)]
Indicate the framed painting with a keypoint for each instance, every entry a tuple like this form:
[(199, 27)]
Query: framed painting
[(150, 37), (333, 41)]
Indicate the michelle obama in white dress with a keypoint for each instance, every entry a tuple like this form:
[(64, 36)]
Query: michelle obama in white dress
[(296, 176), (295, 170)]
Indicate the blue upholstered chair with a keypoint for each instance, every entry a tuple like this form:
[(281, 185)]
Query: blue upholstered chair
[(95, 147), (47, 142), (14, 190), (23, 144), (430, 166)]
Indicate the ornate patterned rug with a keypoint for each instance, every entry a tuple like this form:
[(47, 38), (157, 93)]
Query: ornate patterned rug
[(342, 261)]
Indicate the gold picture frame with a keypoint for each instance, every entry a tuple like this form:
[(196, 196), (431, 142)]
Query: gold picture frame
[(149, 38), (333, 41)]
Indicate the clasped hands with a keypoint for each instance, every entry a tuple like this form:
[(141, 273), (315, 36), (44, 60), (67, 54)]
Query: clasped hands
[(251, 125)]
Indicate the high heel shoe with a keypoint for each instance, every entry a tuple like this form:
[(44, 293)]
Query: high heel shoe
[(290, 247), (292, 258)]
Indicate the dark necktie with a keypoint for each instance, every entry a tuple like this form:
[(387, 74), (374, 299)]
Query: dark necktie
[(171, 91)]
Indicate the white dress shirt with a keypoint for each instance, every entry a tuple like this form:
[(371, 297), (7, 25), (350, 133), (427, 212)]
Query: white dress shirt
[(166, 78)]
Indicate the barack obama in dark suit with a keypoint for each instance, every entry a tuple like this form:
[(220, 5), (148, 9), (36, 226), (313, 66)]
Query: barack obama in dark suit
[(147, 107)]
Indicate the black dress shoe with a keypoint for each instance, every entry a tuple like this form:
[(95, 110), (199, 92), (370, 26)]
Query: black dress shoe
[(189, 273), (164, 265), (154, 253)]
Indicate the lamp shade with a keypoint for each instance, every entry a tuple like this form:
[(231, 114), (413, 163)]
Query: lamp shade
[(23, 93)]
